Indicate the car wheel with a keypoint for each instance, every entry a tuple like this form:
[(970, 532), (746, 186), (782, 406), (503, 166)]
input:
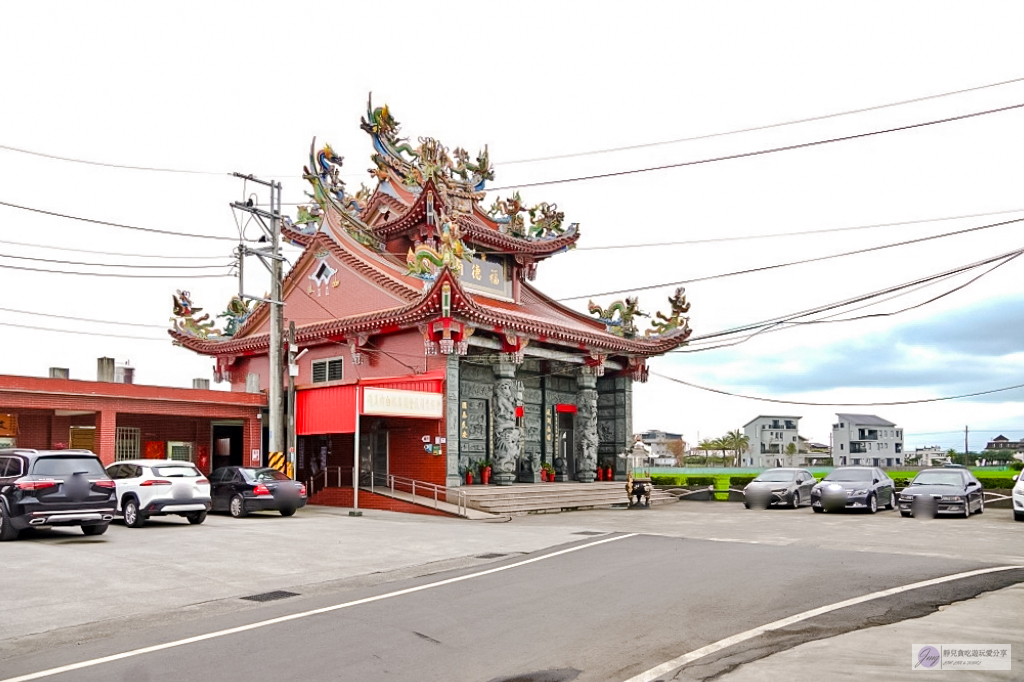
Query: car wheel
[(7, 531), (95, 529), (891, 504), (1018, 516), (746, 505), (906, 515), (981, 506), (796, 499), (872, 504), (967, 508), (817, 510), (195, 518), (133, 518), (237, 506), (288, 511)]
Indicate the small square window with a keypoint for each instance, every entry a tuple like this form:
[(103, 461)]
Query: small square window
[(327, 370)]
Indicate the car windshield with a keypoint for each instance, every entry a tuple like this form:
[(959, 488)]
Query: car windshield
[(849, 475), (775, 477), (177, 471), (265, 474), (66, 466), (938, 478)]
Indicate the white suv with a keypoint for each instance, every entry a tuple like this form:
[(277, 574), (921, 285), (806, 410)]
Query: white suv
[(154, 487), (1018, 498)]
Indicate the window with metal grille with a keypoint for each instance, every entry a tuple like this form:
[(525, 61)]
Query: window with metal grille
[(128, 443), (179, 451), (327, 370)]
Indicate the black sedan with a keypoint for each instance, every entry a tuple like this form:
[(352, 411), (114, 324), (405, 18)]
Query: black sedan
[(942, 491), (779, 486), (240, 490), (854, 488)]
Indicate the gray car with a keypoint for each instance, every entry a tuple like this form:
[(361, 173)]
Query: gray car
[(779, 486)]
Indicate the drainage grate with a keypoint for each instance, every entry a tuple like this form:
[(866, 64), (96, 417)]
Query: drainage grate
[(491, 555), (589, 532), (271, 596)]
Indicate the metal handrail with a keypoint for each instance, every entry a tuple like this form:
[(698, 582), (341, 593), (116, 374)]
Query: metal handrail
[(325, 478), (410, 485)]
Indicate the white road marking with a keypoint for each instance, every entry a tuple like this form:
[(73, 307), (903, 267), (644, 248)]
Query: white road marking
[(295, 616), (669, 666)]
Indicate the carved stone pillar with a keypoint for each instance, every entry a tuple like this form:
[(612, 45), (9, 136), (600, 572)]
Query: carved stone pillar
[(586, 426), (452, 477), (506, 431)]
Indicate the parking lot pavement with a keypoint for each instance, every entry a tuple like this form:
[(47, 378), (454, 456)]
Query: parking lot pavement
[(992, 537), (884, 652), (66, 579)]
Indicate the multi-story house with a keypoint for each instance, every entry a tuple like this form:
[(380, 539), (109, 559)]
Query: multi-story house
[(1001, 442), (667, 449), (770, 437), (930, 456), (867, 440)]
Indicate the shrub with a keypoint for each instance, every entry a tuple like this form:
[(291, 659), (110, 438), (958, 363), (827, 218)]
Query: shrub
[(1017, 465), (992, 482), (676, 480), (738, 482), (902, 482), (700, 481)]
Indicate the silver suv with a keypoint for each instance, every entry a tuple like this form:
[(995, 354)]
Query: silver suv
[(155, 487)]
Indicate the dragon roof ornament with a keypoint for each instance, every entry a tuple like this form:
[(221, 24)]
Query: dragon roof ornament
[(452, 172), (618, 318)]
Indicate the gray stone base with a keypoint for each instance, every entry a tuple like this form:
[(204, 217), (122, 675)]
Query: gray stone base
[(525, 477), (503, 479), (562, 478), (586, 477), (454, 481)]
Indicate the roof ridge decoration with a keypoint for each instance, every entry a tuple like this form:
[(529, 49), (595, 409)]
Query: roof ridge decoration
[(185, 320), (618, 318), (545, 219), (426, 258)]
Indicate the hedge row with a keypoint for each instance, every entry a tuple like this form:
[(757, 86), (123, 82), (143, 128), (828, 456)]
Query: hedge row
[(681, 481)]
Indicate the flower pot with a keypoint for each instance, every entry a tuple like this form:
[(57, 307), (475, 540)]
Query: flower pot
[(486, 478), (544, 475), (609, 474), (600, 474), (469, 478)]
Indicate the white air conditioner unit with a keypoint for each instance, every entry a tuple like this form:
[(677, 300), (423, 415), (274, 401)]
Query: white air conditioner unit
[(179, 450)]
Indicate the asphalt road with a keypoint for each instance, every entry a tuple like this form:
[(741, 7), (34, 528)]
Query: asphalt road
[(610, 608)]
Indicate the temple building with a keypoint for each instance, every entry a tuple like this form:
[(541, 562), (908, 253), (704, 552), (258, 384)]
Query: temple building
[(424, 340)]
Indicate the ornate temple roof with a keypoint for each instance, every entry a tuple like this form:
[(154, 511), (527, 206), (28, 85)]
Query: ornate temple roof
[(422, 235)]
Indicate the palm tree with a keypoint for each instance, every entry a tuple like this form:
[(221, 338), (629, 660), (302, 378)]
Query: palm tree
[(738, 442), (705, 445)]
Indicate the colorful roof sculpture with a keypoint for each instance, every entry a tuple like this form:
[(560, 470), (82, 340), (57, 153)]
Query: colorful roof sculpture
[(420, 252)]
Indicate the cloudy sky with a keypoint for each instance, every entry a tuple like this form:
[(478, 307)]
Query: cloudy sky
[(212, 88)]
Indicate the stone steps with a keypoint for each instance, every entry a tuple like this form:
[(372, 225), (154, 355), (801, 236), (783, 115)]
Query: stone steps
[(552, 497)]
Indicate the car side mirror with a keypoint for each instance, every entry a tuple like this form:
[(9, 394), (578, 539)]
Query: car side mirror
[(874, 481), (970, 483), (1016, 476)]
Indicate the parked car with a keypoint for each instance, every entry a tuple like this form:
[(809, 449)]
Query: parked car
[(240, 490), (155, 487), (44, 488), (854, 487), (949, 490), (779, 486), (1018, 498)]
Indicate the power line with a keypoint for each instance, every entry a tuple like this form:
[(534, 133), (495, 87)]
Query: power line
[(84, 319), (52, 247), (776, 266), (797, 402), (126, 227), (118, 265), (109, 274), (72, 331), (773, 324), (760, 152), (108, 165), (646, 145)]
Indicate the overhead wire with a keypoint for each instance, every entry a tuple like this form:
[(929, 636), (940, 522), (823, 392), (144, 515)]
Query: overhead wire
[(117, 265), (112, 224), (74, 331), (84, 319), (804, 261), (647, 145), (54, 247), (110, 274), (759, 152)]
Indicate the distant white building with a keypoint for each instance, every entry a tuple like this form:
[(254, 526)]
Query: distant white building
[(664, 447), (867, 440), (928, 457), (769, 437)]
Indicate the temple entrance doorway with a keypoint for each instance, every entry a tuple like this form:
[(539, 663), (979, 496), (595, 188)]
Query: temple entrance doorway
[(566, 446), (373, 453)]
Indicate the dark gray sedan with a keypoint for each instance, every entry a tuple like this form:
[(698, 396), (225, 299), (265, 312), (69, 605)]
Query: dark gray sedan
[(779, 486), (854, 488), (951, 490)]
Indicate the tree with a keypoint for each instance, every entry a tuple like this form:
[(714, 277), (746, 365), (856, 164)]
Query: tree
[(791, 449), (676, 448), (738, 442)]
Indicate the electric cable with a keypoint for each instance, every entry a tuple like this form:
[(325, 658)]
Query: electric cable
[(111, 224), (760, 152), (835, 404), (804, 261), (53, 247), (118, 265), (84, 319), (73, 331), (109, 274)]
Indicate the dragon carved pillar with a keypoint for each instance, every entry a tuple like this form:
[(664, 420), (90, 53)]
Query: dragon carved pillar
[(506, 431), (586, 425)]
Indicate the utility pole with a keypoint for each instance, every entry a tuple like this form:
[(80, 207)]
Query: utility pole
[(270, 221), (293, 371), (965, 446)]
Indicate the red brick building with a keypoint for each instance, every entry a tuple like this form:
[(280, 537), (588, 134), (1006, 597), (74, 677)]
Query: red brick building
[(127, 421), (423, 338)]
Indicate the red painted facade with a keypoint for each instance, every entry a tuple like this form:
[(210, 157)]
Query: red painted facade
[(47, 409)]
